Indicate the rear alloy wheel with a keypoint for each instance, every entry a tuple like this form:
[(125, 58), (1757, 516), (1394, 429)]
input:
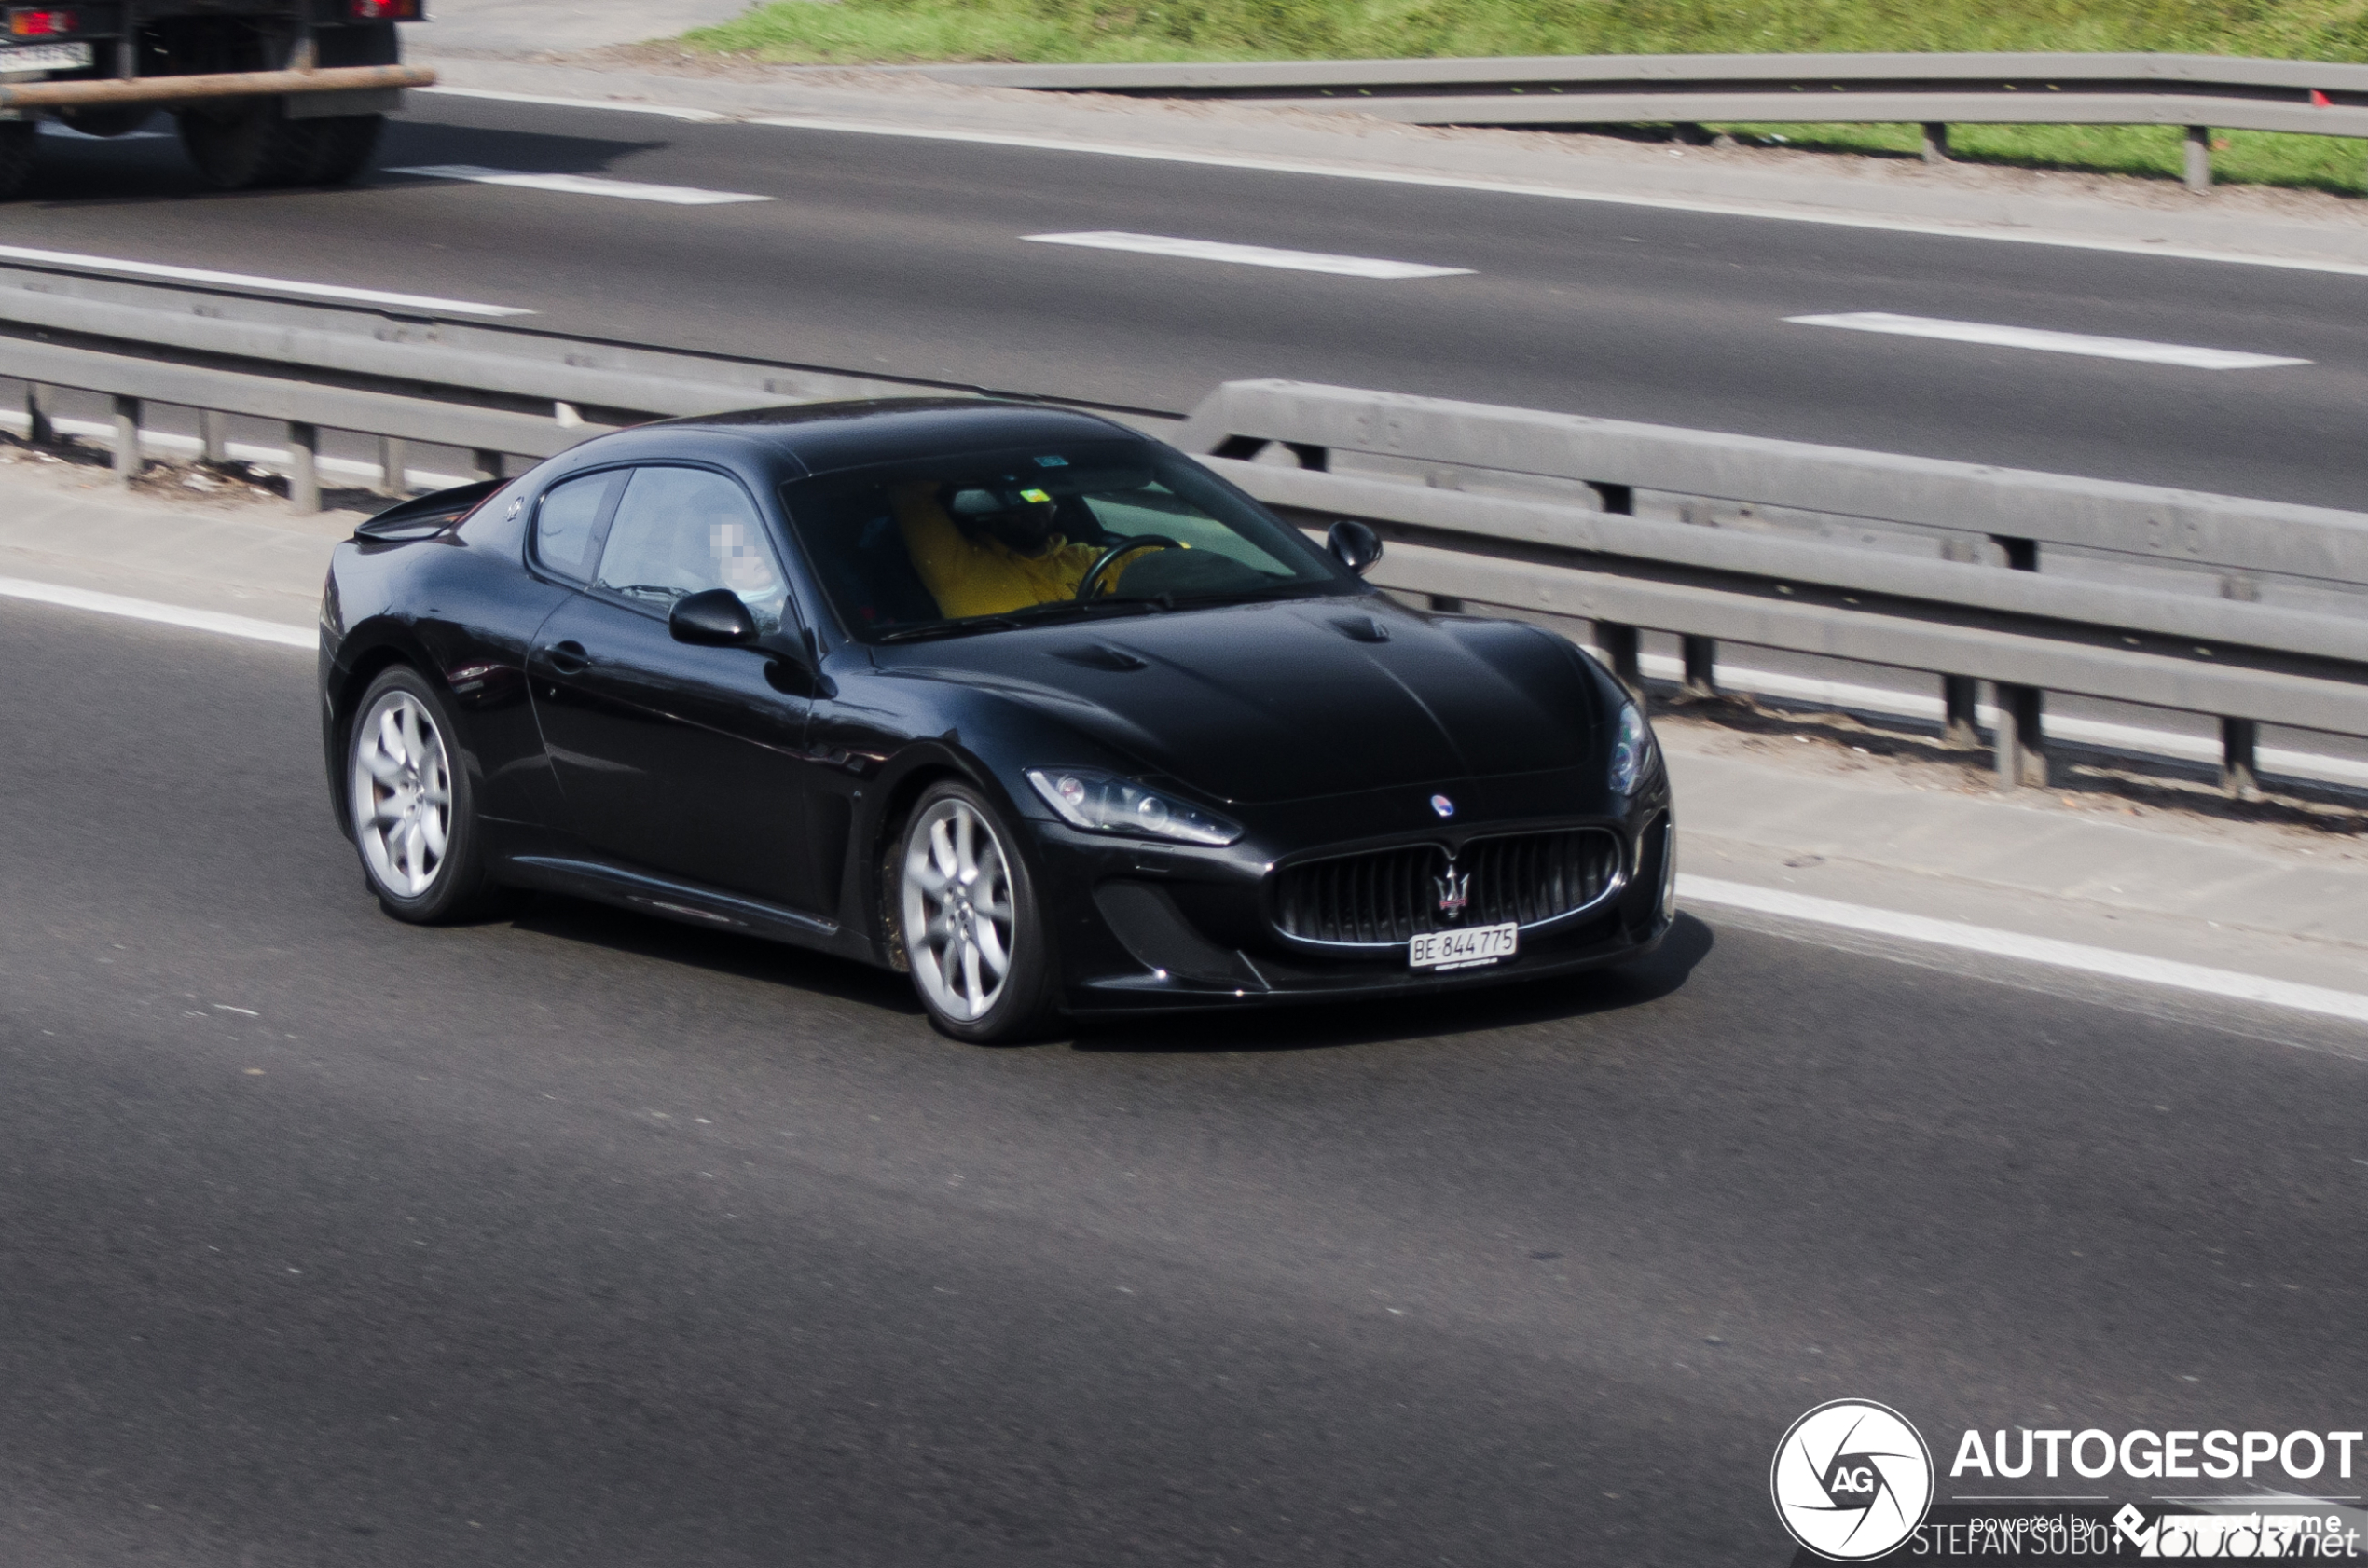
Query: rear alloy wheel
[(968, 916), (20, 149), (410, 804)]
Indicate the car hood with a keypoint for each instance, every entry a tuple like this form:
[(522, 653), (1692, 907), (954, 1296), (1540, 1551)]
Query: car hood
[(1286, 701)]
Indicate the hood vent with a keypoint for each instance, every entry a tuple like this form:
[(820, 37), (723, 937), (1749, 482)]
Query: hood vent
[(1101, 656)]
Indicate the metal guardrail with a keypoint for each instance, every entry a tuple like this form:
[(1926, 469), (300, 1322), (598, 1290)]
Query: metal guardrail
[(2197, 92), (1547, 515)]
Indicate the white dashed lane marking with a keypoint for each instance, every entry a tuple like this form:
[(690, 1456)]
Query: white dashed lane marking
[(579, 184), (1247, 256), (2048, 342)]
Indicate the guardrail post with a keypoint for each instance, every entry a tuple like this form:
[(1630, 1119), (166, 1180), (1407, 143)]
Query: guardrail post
[(394, 462), (2020, 751), (488, 461), (40, 430), (304, 467), (127, 439), (213, 435), (2239, 774), (1619, 646), (1960, 711), (2198, 172), (1935, 142), (1961, 694), (1701, 665)]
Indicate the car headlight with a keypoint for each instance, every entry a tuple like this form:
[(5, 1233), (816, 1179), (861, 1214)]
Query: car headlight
[(1102, 802), (1631, 750)]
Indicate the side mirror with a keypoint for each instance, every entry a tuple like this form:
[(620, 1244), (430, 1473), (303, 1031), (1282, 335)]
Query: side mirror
[(713, 619), (1356, 546)]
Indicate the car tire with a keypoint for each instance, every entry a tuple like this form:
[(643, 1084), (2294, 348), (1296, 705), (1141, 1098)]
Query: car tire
[(411, 807), (967, 917), (342, 149), (20, 150), (250, 145)]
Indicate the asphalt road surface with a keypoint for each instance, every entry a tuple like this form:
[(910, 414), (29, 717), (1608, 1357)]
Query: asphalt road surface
[(874, 253), (576, 1238)]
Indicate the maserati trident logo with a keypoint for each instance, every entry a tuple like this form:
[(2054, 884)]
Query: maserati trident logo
[(1454, 891)]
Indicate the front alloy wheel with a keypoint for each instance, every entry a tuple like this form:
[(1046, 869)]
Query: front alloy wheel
[(968, 918)]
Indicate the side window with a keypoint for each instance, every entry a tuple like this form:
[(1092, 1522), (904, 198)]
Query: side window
[(683, 531), (565, 523)]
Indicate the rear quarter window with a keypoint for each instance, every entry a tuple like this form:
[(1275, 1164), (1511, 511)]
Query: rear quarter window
[(567, 524)]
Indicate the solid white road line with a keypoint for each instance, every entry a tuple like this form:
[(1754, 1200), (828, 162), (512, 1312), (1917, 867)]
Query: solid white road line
[(1247, 256), (2033, 950), (579, 184), (2017, 236), (307, 638), (709, 116), (2048, 342), (244, 280)]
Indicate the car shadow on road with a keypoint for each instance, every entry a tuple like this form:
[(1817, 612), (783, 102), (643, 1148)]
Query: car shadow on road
[(1317, 1026), (1299, 1026)]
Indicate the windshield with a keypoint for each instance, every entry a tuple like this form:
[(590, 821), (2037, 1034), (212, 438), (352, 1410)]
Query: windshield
[(938, 547)]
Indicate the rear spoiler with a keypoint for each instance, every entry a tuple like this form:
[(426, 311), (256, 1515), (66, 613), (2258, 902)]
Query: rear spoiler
[(424, 517)]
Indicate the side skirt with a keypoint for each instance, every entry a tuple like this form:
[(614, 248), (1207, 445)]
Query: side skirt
[(686, 901)]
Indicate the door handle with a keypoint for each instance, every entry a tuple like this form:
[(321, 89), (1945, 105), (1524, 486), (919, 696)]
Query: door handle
[(569, 658)]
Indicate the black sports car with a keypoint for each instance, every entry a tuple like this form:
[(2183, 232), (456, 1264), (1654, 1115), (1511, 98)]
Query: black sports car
[(1008, 697)]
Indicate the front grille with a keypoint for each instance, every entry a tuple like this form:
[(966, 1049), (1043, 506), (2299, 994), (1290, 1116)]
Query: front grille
[(1393, 895)]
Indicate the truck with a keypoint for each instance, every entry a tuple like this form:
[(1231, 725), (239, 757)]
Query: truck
[(264, 92)]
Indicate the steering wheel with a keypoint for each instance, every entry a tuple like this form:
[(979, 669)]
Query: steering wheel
[(1086, 586)]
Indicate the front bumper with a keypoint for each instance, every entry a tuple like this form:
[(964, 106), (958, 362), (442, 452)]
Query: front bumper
[(1144, 927)]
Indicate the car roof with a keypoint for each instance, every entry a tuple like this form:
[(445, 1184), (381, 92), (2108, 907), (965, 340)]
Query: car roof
[(826, 437)]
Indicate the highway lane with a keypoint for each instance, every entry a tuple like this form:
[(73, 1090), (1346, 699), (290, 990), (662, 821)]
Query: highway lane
[(580, 1238), (908, 256)]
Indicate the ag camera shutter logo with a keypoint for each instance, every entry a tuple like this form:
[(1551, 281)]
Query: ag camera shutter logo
[(1852, 1480)]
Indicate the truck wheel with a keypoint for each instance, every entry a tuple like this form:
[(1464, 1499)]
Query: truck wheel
[(19, 145), (344, 145), (249, 145)]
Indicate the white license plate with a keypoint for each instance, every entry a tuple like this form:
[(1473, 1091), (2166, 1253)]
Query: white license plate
[(46, 57), (1463, 950)]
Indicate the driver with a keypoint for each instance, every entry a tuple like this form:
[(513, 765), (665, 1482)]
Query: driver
[(988, 550)]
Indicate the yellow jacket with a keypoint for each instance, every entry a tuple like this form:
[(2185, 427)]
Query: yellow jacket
[(983, 577)]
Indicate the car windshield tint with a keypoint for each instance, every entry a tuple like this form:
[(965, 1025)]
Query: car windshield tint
[(983, 542)]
